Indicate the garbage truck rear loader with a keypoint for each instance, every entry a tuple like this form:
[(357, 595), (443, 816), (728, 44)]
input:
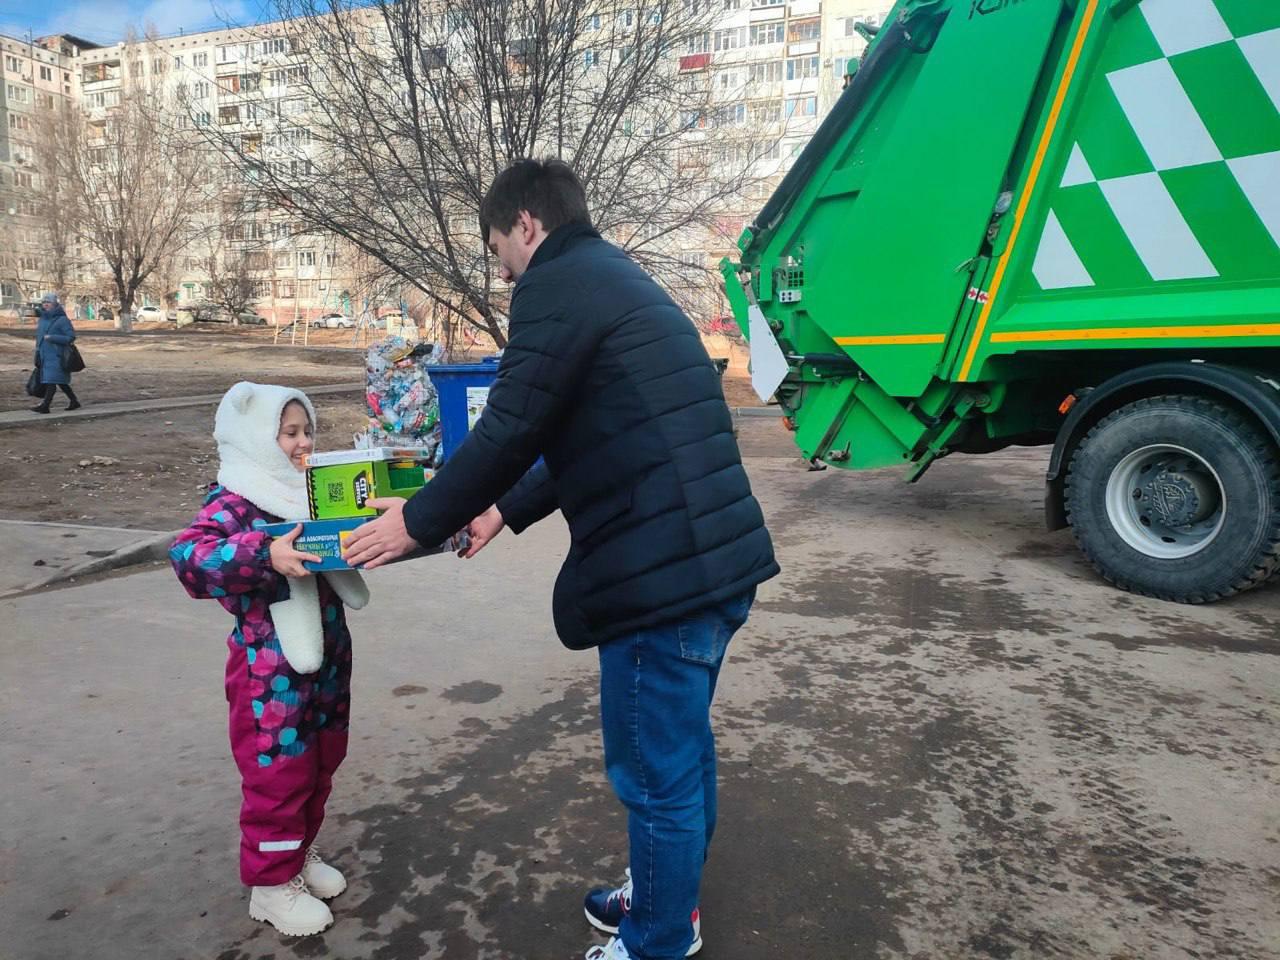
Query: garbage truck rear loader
[(1047, 222)]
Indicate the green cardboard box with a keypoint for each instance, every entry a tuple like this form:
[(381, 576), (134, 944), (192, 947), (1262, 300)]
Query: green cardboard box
[(342, 489)]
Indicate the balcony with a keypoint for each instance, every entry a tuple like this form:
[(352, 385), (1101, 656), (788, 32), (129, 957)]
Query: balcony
[(693, 62)]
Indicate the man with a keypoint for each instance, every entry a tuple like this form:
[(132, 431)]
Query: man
[(607, 380)]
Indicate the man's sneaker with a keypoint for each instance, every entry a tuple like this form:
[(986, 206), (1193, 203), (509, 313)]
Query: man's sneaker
[(613, 950), (605, 908), (616, 950), (290, 908), (323, 881)]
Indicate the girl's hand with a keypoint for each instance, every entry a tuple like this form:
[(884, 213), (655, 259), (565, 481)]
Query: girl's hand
[(287, 561), (483, 529)]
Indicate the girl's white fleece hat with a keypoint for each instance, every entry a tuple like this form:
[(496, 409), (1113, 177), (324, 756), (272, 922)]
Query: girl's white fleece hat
[(253, 465)]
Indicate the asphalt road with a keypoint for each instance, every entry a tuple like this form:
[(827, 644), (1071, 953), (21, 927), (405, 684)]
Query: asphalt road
[(942, 736)]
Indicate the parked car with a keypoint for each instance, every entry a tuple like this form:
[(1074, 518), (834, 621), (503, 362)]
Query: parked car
[(252, 319), (335, 321), (149, 314)]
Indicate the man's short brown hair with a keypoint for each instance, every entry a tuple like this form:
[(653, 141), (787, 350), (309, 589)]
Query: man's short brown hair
[(548, 189)]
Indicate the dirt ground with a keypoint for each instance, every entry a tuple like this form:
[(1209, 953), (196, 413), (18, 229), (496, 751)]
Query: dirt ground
[(167, 363), (165, 458)]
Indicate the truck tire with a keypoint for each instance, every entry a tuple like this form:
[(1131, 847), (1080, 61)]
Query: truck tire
[(1178, 498)]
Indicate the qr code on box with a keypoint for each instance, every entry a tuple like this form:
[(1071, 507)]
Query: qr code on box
[(335, 491)]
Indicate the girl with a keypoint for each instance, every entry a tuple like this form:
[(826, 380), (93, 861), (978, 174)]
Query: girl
[(289, 669)]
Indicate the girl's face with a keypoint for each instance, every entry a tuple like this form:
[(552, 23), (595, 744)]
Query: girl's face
[(295, 434)]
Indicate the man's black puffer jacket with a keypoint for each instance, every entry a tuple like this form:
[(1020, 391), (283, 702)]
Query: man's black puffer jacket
[(605, 378)]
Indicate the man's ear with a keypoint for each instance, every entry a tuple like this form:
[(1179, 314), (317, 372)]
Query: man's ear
[(528, 226)]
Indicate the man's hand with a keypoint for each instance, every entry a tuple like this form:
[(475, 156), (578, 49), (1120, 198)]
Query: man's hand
[(381, 540), (483, 529), (287, 561)]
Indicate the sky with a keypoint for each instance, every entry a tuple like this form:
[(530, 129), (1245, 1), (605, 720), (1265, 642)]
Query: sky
[(107, 21)]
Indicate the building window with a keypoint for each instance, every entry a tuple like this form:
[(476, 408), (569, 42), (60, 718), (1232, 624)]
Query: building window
[(19, 121), (229, 54), (800, 30), (284, 289), (802, 107), (23, 179), (200, 59), (274, 45), (766, 111), (594, 21), (11, 63), (18, 94), (730, 39), (768, 72), (202, 118), (330, 259), (763, 34), (590, 58), (158, 65), (803, 68), (306, 258), (840, 65), (200, 89), (46, 73), (283, 259), (177, 62), (44, 100), (229, 114), (698, 43)]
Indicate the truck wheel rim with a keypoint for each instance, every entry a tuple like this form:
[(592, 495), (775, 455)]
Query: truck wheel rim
[(1166, 501)]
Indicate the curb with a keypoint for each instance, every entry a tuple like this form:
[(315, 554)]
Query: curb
[(142, 551), (12, 419)]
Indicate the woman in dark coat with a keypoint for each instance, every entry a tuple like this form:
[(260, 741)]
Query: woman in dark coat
[(53, 332)]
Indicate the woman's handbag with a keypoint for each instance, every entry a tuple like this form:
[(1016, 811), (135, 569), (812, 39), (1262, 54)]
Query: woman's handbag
[(34, 387), (72, 362)]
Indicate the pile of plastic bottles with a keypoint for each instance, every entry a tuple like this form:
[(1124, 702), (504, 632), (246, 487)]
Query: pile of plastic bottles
[(402, 403)]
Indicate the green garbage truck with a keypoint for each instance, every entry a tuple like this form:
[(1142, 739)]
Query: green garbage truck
[(1047, 222)]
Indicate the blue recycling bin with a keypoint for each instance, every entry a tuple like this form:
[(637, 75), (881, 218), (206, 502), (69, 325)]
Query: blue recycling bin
[(464, 390)]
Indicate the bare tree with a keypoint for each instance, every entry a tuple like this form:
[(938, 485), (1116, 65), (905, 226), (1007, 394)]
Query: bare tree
[(132, 179), (232, 274), (384, 122)]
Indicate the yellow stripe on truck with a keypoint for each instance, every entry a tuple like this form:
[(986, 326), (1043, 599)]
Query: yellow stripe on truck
[(1033, 177), (894, 340), (1205, 332)]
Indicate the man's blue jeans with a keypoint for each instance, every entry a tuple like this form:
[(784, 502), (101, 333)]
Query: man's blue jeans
[(656, 687)]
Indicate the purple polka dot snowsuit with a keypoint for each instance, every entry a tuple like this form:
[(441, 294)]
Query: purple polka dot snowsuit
[(288, 730)]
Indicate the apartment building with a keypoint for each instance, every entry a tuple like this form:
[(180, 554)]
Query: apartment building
[(774, 67), (777, 68), (38, 78), (229, 79)]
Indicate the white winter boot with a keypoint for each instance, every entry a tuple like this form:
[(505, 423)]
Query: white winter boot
[(323, 881), (290, 908)]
